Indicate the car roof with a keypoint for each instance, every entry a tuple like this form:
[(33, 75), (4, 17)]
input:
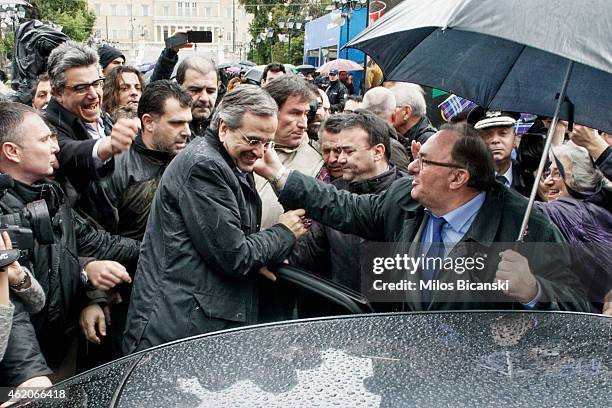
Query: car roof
[(422, 359)]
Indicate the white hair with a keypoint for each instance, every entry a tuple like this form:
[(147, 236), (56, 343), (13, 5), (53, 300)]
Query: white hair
[(379, 101), (408, 94), (586, 177)]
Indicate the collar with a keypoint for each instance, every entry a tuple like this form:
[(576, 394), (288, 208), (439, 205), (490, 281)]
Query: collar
[(47, 190), (99, 131), (460, 219), (141, 148), (508, 175), (213, 137), (290, 150), (375, 184)]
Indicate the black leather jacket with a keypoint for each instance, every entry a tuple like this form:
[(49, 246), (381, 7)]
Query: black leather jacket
[(420, 132), (201, 250), (76, 146), (57, 268), (337, 95), (333, 253), (121, 203)]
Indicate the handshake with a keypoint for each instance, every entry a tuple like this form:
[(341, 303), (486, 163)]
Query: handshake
[(295, 221)]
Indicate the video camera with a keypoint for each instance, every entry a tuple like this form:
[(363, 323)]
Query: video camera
[(31, 223)]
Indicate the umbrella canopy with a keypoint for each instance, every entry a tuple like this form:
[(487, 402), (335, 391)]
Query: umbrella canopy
[(339, 64), (254, 75), (306, 68), (507, 55)]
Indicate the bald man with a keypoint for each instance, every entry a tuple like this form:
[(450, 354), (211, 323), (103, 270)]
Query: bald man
[(381, 102)]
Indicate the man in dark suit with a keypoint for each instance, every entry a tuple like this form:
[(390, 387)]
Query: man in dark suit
[(453, 200), (498, 131), (86, 146)]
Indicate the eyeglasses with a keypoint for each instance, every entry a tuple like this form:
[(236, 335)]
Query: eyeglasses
[(256, 142), (423, 161), (81, 89), (332, 74)]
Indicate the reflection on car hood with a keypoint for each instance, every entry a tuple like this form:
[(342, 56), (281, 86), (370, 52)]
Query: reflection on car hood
[(421, 359)]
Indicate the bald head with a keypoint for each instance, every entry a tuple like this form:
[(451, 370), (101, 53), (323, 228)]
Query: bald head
[(381, 102)]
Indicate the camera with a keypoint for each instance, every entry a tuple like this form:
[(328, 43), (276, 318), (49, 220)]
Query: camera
[(31, 223)]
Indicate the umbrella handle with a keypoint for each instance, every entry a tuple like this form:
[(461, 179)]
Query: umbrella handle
[(544, 158)]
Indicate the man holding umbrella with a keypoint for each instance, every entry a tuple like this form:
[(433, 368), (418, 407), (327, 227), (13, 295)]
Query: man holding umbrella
[(453, 199)]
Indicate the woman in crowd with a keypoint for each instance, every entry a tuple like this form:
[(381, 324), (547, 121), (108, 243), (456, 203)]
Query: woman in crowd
[(577, 206)]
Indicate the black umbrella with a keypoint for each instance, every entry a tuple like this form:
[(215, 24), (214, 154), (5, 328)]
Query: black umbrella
[(34, 41), (547, 58)]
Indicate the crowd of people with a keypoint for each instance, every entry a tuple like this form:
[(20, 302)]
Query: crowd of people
[(157, 209)]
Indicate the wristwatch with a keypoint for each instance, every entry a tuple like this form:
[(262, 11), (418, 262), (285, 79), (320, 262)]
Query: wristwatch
[(84, 277), (279, 175)]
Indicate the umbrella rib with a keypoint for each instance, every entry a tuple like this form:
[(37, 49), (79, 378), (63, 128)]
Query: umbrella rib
[(509, 71)]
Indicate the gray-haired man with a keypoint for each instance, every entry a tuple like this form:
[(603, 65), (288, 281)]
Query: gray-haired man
[(85, 150), (202, 247)]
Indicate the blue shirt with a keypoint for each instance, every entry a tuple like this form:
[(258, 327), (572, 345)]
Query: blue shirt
[(458, 222), (96, 134)]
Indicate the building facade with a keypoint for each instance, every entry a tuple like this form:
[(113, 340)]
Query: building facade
[(139, 27)]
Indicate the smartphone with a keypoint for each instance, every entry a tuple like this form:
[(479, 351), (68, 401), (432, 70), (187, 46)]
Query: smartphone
[(189, 37)]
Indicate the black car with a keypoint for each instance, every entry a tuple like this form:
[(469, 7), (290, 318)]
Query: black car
[(469, 358)]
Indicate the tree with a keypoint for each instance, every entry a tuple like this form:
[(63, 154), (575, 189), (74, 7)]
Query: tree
[(266, 15), (73, 15), (6, 48)]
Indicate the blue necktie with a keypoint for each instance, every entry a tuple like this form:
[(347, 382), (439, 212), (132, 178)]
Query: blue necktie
[(436, 250)]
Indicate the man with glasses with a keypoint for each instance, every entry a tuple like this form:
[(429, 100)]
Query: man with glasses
[(453, 198), (203, 246), (86, 146), (336, 92)]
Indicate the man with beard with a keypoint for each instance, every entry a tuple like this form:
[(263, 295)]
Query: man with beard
[(203, 247), (122, 88), (121, 202), (198, 75), (86, 152), (165, 113), (363, 148)]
